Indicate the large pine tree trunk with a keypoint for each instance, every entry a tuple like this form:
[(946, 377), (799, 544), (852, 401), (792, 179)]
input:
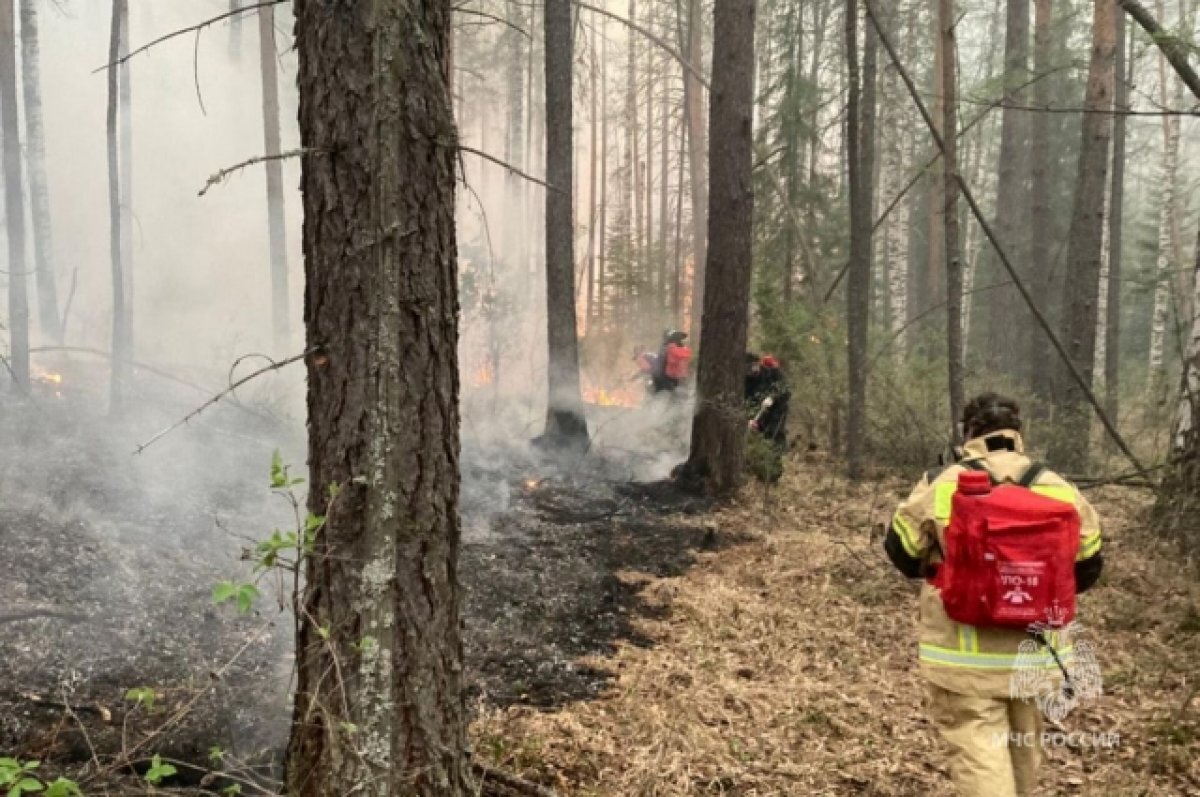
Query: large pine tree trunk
[(379, 709), (1178, 505), (1012, 194), (593, 156), (276, 229), (14, 201), (1168, 258), (719, 429), (859, 160), (565, 423), (1081, 288), (39, 193), (1041, 225), (602, 244), (116, 243), (954, 270), (1116, 212), (125, 108), (697, 140)]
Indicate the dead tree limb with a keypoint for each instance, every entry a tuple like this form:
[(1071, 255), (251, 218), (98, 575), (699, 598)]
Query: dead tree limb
[(221, 175), (969, 196), (274, 366), (511, 168), (184, 31), (508, 785), (1174, 48)]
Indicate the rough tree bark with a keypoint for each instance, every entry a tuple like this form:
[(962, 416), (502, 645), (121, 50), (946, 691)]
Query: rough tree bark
[(593, 155), (121, 337), (1012, 193), (602, 244), (565, 424), (39, 193), (859, 159), (1168, 257), (1116, 214), (276, 226), (954, 273), (697, 140), (379, 709), (1070, 446), (1040, 378), (125, 108), (719, 428), (14, 202)]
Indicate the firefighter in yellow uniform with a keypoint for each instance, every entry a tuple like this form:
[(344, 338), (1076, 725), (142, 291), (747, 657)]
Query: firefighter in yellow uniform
[(994, 738)]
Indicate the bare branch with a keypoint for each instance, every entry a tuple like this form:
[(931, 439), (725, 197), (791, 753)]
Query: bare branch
[(187, 30), (510, 167), (274, 366), (477, 13), (656, 40), (220, 176)]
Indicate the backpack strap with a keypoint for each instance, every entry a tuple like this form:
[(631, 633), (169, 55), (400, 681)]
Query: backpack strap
[(1030, 476), (978, 465)]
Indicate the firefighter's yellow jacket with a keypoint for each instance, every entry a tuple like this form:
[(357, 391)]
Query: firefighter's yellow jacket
[(961, 658)]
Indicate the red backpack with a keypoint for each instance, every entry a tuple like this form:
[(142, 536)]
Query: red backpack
[(1009, 554), (678, 359)]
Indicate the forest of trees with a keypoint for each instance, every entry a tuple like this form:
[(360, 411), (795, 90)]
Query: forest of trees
[(904, 201)]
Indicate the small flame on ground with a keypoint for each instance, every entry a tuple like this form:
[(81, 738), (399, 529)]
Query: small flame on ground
[(627, 396)]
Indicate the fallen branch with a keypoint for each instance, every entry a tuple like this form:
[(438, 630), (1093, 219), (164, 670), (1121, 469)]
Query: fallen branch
[(221, 175), (187, 30), (274, 366), (33, 614), (511, 168), (510, 785)]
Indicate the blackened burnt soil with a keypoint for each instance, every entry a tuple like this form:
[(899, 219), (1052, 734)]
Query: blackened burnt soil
[(120, 553), (548, 583)]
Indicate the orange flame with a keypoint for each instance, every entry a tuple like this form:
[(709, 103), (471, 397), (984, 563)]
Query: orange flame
[(626, 396)]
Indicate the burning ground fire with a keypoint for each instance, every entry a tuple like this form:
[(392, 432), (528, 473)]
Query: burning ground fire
[(627, 396), (49, 378)]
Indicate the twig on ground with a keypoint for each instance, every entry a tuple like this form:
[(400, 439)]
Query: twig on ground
[(514, 785), (274, 366)]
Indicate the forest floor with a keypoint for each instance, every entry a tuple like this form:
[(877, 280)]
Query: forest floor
[(782, 661), (620, 638)]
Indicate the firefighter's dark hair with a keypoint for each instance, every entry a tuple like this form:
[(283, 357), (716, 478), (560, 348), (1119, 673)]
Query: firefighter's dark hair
[(990, 412)]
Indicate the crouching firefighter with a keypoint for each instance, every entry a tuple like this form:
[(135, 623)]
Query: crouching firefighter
[(1004, 544)]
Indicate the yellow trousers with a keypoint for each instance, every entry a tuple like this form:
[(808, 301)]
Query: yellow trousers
[(995, 743)]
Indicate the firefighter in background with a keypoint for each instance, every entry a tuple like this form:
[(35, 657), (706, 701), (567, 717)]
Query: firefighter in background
[(994, 739), (767, 397), (673, 362)]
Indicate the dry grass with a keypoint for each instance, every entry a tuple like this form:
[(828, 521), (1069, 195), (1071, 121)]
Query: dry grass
[(787, 666)]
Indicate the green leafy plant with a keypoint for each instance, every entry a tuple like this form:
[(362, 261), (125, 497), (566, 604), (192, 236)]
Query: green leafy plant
[(158, 771), (143, 696), (17, 778), (243, 595)]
